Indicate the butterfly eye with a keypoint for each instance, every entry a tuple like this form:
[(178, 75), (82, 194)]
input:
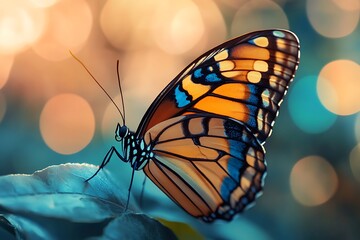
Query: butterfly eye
[(120, 132)]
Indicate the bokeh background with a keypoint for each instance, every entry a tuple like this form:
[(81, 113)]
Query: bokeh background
[(52, 112)]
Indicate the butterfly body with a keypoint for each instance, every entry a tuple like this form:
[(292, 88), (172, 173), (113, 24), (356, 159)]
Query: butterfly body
[(201, 140), (134, 149)]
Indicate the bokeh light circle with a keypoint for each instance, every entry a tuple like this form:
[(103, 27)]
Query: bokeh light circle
[(43, 3), (177, 26), (331, 18), (305, 108), (339, 87), (313, 181), (137, 82), (349, 5), (67, 123), (355, 162), (21, 24), (68, 28), (132, 28), (258, 14)]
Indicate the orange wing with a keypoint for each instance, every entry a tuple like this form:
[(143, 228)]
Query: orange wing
[(212, 167), (245, 79)]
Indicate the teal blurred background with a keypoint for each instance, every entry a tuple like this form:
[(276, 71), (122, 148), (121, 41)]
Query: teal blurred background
[(51, 112)]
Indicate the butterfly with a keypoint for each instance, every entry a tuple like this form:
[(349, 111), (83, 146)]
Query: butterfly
[(201, 140)]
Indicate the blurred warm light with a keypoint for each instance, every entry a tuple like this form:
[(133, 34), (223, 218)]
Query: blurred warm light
[(68, 28), (313, 181), (339, 87), (232, 3), (110, 119), (43, 3), (126, 23), (257, 15), (214, 27), (305, 108), (357, 128), (20, 25), (67, 123), (177, 26), (333, 19), (2, 106), (147, 81), (6, 63), (355, 161), (348, 5)]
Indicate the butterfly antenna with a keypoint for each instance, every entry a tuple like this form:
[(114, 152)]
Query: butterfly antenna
[(121, 93), (117, 107)]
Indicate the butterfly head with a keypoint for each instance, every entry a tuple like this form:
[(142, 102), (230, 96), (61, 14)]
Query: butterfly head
[(121, 132)]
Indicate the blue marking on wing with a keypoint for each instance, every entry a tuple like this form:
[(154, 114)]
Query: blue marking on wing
[(234, 166), (237, 148), (278, 34), (234, 169), (253, 98), (198, 73), (228, 185), (251, 41), (212, 77), (253, 115), (181, 97)]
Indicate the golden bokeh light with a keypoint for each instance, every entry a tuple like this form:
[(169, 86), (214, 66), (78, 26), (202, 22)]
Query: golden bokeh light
[(348, 5), (313, 181), (232, 3), (110, 119), (2, 106), (125, 24), (67, 123), (338, 87), (258, 14), (21, 24), (68, 27), (6, 63), (333, 18), (42, 3), (177, 26), (214, 28), (150, 79), (355, 162)]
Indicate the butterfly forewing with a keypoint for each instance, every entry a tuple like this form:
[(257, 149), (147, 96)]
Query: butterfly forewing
[(211, 166), (244, 79)]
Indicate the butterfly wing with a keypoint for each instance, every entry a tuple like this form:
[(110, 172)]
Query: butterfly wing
[(244, 79), (211, 166), (208, 125)]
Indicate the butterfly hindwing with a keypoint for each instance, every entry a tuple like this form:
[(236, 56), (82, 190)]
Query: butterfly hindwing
[(211, 166), (244, 79)]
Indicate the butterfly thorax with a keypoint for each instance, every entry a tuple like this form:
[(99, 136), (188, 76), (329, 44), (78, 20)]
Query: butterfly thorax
[(135, 150)]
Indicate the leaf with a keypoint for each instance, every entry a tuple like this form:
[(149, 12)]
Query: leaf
[(57, 203), (137, 226)]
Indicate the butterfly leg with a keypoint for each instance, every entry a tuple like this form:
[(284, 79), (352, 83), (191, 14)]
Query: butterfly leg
[(106, 160), (142, 191), (129, 190)]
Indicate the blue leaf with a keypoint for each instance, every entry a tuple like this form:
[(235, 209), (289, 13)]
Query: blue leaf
[(57, 203)]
